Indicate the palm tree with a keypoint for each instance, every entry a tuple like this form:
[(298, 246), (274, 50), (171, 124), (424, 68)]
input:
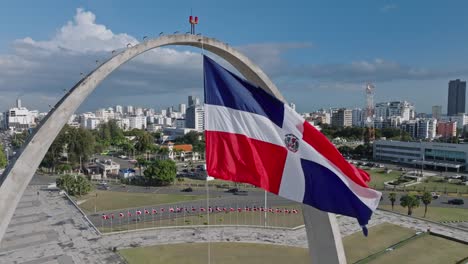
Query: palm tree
[(426, 199), (409, 201), (392, 198)]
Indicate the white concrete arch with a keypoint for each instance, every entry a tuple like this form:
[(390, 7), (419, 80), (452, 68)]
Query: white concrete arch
[(325, 248)]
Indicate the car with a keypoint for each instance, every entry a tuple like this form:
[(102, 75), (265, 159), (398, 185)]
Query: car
[(122, 156), (456, 201), (435, 195), (243, 193), (232, 190), (189, 189)]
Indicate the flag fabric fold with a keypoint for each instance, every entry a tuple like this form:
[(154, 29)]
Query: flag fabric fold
[(253, 137)]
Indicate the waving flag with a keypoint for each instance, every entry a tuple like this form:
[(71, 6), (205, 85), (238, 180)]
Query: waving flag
[(253, 137)]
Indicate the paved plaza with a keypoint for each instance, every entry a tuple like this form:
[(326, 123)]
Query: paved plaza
[(47, 228)]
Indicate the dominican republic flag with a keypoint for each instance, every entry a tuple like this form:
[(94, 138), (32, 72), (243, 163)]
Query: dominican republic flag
[(253, 137)]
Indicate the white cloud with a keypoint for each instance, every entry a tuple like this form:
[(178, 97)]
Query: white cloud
[(83, 35), (388, 7)]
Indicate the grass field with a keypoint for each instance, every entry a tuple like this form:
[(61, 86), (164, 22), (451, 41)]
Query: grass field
[(107, 200), (226, 253), (438, 214), (378, 177), (234, 218), (424, 249), (380, 237), (427, 249)]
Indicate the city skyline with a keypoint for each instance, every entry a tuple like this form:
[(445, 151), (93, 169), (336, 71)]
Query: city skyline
[(38, 63)]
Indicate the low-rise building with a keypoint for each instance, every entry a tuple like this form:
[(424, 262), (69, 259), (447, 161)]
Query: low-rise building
[(440, 156), (447, 129)]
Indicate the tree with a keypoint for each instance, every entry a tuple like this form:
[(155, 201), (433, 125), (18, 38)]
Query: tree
[(409, 201), (19, 139), (161, 172), (345, 150), (143, 142), (74, 185), (392, 198), (426, 199), (3, 159)]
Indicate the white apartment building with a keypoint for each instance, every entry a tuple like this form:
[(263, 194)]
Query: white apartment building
[(195, 117), (123, 123), (129, 110), (138, 111), (105, 114), (93, 123), (19, 118), (182, 108), (138, 122), (119, 109), (403, 109), (84, 117)]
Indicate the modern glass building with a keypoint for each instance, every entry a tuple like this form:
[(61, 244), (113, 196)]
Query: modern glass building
[(434, 155)]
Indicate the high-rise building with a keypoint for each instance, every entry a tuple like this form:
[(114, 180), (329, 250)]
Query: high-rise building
[(139, 111), (426, 128), (179, 123), (129, 110), (293, 106), (358, 117), (193, 100), (119, 109), (182, 108), (456, 97), (437, 112), (195, 117), (342, 118)]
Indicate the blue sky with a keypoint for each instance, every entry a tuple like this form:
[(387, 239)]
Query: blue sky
[(319, 53)]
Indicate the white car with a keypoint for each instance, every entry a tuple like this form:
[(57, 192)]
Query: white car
[(435, 195)]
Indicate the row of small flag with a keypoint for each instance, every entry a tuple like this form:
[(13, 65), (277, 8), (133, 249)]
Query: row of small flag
[(202, 209)]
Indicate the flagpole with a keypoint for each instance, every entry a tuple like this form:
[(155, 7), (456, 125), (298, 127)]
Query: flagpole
[(208, 218), (265, 208)]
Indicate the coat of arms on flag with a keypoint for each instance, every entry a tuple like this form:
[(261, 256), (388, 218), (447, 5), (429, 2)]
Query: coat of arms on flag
[(253, 137)]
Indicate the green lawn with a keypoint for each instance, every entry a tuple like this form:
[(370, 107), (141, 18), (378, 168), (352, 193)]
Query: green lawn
[(380, 237), (426, 249), (107, 200), (356, 246), (226, 253), (235, 218), (378, 177), (438, 214)]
